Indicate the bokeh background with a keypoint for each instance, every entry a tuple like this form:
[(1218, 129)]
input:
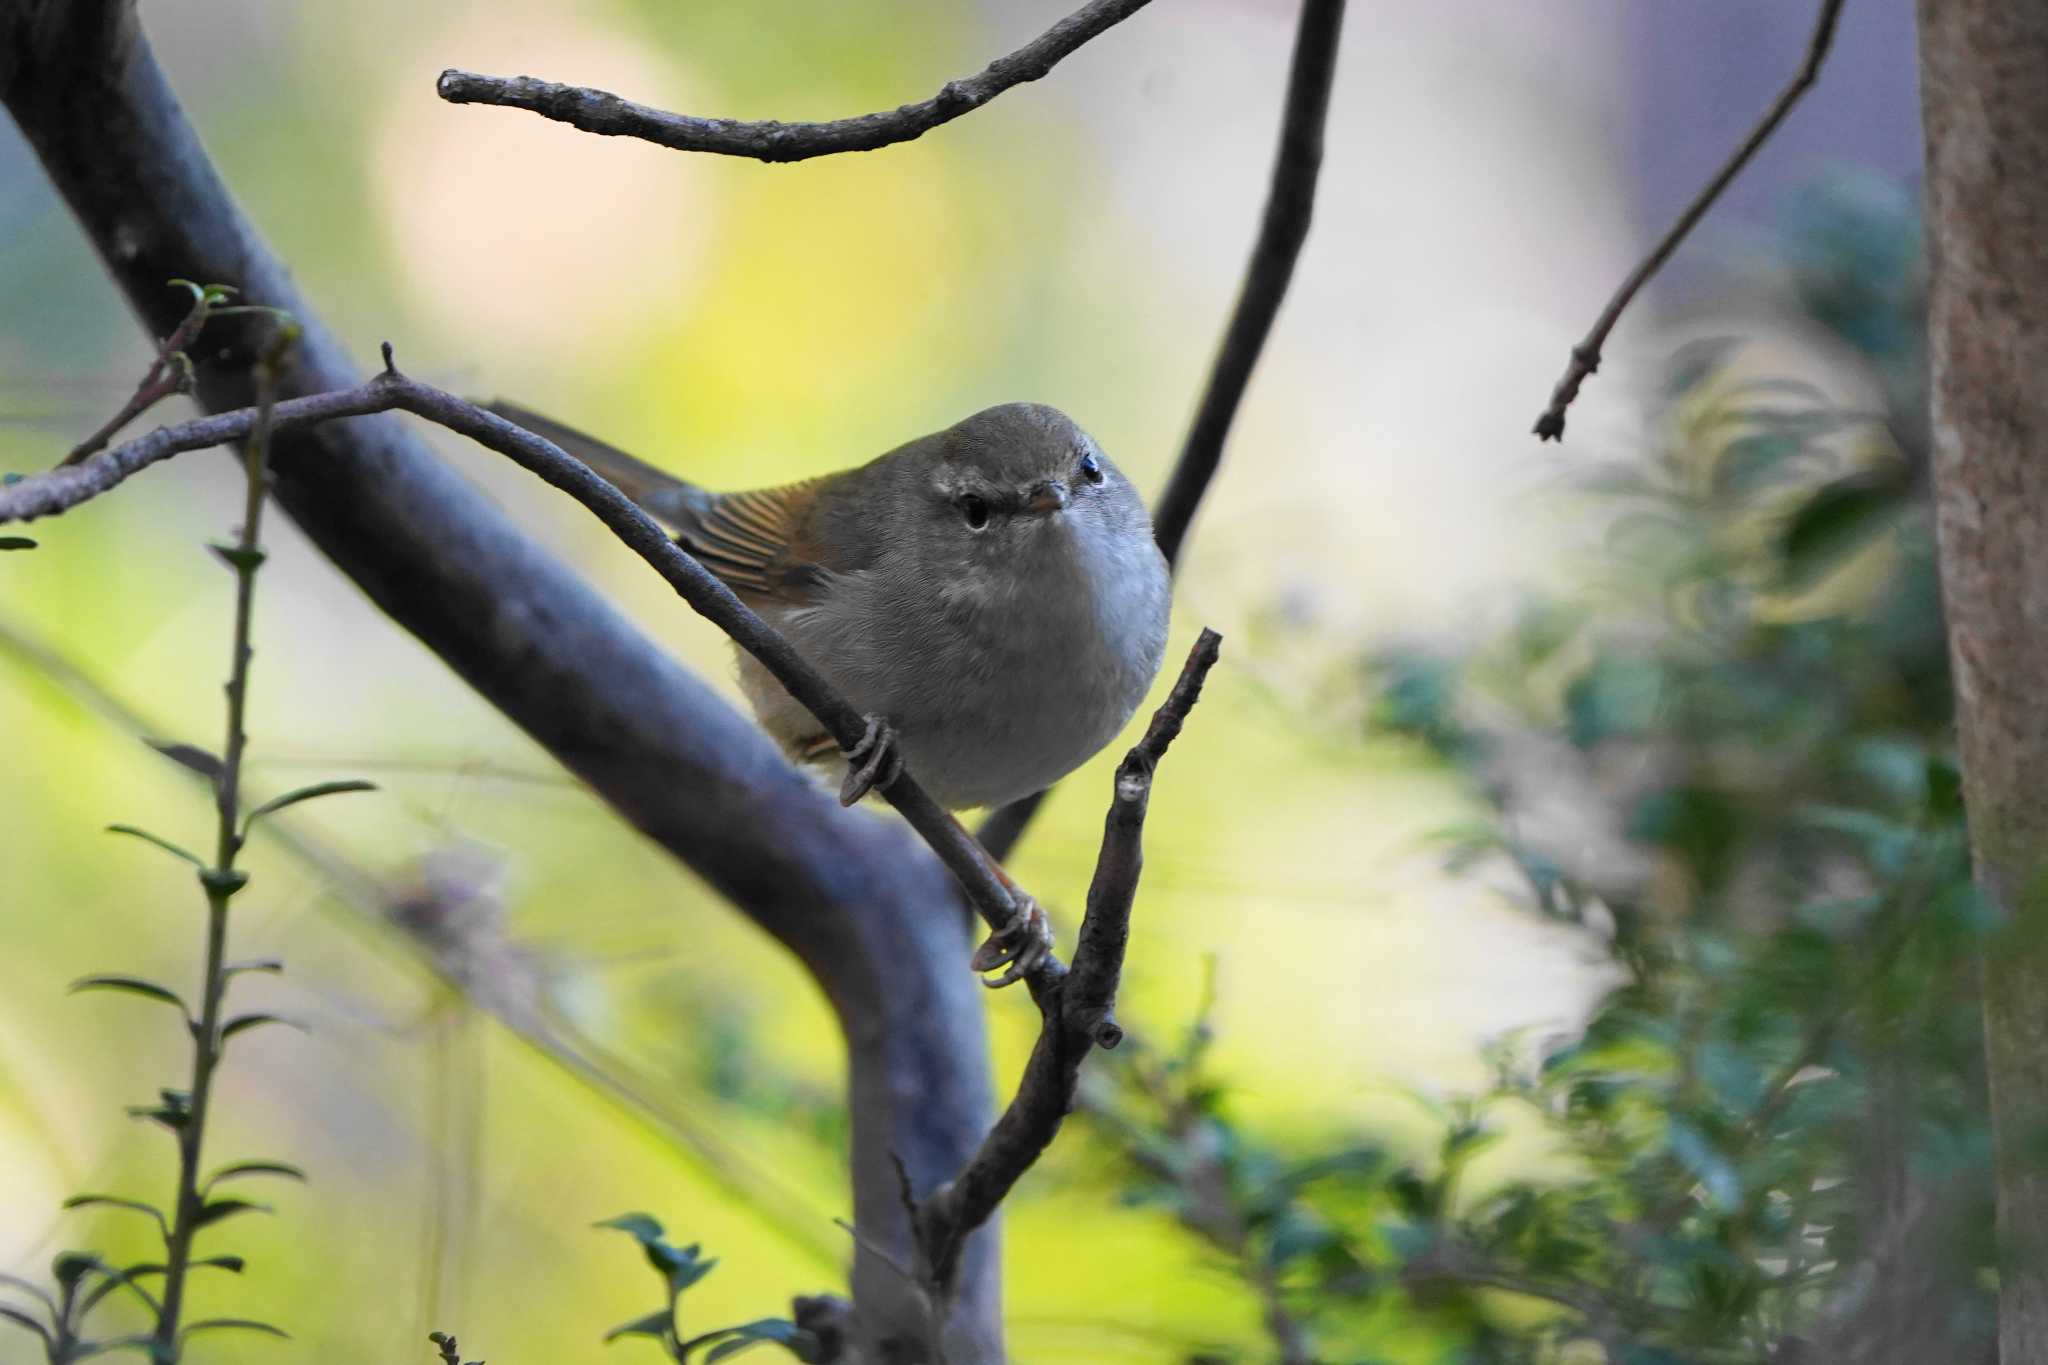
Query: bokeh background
[(1493, 168)]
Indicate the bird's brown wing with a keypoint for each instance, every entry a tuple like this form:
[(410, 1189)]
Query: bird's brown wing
[(756, 541)]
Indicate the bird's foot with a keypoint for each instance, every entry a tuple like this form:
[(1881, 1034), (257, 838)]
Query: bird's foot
[(1022, 946), (872, 763)]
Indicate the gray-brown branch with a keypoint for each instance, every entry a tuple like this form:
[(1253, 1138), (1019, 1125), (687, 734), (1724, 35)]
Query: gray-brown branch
[(1290, 205), (1077, 1008), (596, 111), (861, 902), (1585, 359), (66, 487)]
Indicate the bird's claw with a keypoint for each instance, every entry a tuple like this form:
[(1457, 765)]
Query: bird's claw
[(872, 763), (1022, 946)]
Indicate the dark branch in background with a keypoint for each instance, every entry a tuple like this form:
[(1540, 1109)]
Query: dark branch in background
[(1290, 204), (1078, 1009), (1586, 355), (595, 111), (60, 489)]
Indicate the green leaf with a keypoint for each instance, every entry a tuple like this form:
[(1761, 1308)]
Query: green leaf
[(21, 1319), (657, 1324), (237, 558), (240, 1170), (232, 1264), (318, 789), (641, 1227), (69, 1267), (252, 964), (243, 1022), (680, 1267), (779, 1331), (189, 756), (223, 881), (134, 985), (16, 543), (80, 1201), (219, 1210), (165, 844), (175, 1113), (234, 1325)]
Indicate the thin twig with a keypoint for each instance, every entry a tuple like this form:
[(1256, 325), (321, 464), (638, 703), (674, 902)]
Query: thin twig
[(596, 111), (169, 373), (1290, 204), (1586, 355), (1078, 1009), (59, 489)]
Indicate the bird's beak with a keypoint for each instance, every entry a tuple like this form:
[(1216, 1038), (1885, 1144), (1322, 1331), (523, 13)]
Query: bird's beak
[(1049, 495)]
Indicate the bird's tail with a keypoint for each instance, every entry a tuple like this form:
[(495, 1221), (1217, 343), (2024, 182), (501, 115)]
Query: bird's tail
[(659, 493)]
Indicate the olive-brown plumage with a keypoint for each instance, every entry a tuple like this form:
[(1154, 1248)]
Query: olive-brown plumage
[(991, 592)]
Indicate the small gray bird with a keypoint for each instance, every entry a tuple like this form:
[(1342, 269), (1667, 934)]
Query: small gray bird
[(990, 595)]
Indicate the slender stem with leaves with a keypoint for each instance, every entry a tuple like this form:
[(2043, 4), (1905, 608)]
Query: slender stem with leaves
[(83, 1280), (223, 879)]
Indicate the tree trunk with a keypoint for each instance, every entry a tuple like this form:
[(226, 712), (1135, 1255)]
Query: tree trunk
[(1984, 95)]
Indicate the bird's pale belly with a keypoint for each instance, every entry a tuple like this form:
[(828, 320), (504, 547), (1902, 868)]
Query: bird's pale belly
[(981, 717), (1015, 730)]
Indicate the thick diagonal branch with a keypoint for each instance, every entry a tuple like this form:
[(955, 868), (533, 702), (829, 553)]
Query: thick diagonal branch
[(1586, 355), (858, 900), (596, 111)]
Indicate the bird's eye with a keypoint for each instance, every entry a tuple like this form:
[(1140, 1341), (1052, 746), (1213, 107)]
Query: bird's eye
[(975, 511), (1091, 469)]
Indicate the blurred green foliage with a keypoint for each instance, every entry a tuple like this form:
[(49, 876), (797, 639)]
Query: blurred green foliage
[(1768, 1143)]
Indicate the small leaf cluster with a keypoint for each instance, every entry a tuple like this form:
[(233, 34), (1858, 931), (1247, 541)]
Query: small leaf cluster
[(679, 1268), (83, 1281)]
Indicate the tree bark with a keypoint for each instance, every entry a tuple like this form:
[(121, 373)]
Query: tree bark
[(1984, 96), (861, 902)]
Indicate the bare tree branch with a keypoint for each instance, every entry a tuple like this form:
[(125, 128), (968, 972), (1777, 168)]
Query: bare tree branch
[(596, 111), (1078, 1008), (1289, 207), (1586, 355), (1290, 204)]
